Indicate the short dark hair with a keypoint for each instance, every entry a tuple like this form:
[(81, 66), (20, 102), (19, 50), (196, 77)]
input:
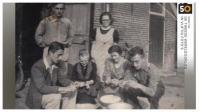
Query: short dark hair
[(136, 50), (54, 46), (54, 4), (83, 52), (115, 48), (106, 14)]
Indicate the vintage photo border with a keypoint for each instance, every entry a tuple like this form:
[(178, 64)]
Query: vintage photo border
[(8, 78)]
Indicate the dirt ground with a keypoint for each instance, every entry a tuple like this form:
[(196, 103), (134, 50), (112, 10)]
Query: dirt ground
[(172, 99)]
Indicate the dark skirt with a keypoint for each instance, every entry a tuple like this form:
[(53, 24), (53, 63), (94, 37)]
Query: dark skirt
[(85, 98)]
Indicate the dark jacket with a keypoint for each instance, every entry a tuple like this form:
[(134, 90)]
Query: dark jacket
[(82, 75), (41, 84)]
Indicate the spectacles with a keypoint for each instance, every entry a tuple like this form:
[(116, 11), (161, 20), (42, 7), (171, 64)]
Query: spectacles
[(106, 20)]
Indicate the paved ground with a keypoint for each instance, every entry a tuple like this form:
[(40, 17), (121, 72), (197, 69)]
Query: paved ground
[(172, 99)]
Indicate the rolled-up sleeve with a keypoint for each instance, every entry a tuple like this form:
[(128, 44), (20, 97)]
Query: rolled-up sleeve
[(107, 70), (154, 77), (39, 34), (70, 32), (39, 80), (153, 80)]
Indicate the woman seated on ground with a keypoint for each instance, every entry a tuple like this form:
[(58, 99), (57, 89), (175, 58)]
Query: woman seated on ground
[(114, 72), (84, 74)]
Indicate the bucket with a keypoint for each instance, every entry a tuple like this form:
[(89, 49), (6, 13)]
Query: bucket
[(86, 106), (109, 99), (120, 105)]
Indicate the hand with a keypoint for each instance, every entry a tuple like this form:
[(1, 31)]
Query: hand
[(76, 83), (115, 82), (122, 84), (133, 84), (87, 86), (67, 89), (43, 44), (79, 84), (93, 60), (108, 80), (70, 43), (90, 82), (72, 87)]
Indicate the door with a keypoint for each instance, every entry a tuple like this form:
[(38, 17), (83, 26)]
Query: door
[(156, 34), (79, 15)]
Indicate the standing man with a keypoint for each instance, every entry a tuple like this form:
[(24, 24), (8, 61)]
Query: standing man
[(145, 80), (45, 75), (55, 28)]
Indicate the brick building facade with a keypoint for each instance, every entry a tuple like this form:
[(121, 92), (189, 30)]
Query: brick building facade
[(132, 20)]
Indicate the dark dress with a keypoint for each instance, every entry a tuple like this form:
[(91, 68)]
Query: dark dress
[(82, 74)]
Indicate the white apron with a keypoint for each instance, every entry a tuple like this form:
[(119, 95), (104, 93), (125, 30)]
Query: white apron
[(100, 48)]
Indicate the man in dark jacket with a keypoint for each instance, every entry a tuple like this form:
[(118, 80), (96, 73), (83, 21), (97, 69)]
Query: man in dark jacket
[(45, 75)]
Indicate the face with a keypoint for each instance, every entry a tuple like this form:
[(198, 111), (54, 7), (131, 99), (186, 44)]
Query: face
[(137, 61), (58, 10), (56, 56), (106, 21), (115, 56), (84, 60)]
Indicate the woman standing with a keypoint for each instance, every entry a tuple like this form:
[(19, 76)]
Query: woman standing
[(103, 37)]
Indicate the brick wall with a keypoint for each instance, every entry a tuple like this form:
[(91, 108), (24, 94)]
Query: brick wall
[(170, 50), (97, 11), (132, 22)]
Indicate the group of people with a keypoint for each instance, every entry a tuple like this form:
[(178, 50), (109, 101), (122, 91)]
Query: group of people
[(104, 72)]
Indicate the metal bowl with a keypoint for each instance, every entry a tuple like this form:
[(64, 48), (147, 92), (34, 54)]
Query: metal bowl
[(109, 99), (86, 106), (120, 105)]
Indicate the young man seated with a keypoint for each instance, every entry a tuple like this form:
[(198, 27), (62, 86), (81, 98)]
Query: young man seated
[(145, 80), (45, 74)]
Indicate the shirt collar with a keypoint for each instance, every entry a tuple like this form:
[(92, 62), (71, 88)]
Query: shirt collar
[(53, 19), (144, 66), (47, 65)]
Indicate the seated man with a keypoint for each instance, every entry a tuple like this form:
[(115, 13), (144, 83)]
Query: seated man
[(85, 73), (43, 91), (145, 80)]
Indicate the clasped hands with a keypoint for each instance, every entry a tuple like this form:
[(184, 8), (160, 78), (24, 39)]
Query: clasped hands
[(113, 82), (74, 86), (82, 84), (122, 83)]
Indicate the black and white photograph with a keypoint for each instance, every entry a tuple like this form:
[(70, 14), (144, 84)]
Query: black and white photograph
[(97, 56)]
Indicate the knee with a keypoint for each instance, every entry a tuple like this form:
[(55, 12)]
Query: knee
[(153, 99), (56, 97), (135, 92)]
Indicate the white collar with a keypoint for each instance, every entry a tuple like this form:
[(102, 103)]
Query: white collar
[(109, 27), (47, 64), (53, 19)]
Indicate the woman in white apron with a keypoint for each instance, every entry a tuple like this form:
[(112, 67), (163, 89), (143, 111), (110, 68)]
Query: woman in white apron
[(103, 38)]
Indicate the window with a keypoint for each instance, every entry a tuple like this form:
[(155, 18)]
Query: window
[(157, 9), (105, 7), (156, 34)]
